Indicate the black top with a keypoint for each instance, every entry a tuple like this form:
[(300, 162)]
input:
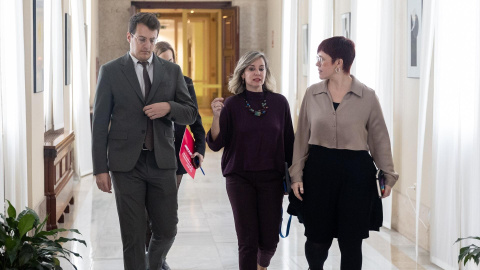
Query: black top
[(335, 105), (254, 143), (196, 128)]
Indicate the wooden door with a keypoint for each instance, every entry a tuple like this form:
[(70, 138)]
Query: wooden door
[(230, 45)]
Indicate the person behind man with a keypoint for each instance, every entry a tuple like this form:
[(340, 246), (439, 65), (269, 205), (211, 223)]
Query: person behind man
[(138, 97), (255, 129), (340, 134), (165, 51)]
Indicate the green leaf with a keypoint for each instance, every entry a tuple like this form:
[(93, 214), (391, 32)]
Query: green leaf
[(31, 212), (40, 227), (46, 233), (11, 210), (3, 235), (470, 237), (64, 240), (27, 254), (68, 260), (12, 224), (37, 218), (25, 224), (11, 248)]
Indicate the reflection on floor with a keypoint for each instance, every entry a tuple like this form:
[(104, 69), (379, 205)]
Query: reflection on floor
[(206, 236)]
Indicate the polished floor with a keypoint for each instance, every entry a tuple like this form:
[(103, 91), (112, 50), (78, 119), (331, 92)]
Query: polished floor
[(206, 236)]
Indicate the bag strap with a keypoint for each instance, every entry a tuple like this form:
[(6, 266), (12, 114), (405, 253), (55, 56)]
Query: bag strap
[(288, 226)]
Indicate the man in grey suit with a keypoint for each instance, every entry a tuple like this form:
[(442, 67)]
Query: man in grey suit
[(138, 97)]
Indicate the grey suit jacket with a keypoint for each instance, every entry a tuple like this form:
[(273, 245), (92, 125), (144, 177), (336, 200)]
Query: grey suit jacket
[(119, 123)]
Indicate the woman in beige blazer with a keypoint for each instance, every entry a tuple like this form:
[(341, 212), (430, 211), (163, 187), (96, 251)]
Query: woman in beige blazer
[(341, 132)]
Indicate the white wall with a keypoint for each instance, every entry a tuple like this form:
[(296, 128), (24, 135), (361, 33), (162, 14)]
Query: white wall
[(274, 42), (35, 119), (406, 102), (35, 122), (303, 12)]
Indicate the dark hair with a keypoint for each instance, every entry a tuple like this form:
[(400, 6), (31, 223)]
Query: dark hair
[(149, 19), (339, 48), (164, 46)]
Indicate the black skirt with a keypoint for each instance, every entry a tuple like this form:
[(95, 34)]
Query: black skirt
[(340, 194)]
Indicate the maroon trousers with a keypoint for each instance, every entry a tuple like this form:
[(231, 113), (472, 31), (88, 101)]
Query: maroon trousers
[(256, 200)]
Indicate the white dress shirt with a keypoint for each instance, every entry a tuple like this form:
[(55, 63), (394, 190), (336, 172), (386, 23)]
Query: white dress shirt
[(139, 71)]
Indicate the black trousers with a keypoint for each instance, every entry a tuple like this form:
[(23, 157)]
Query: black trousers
[(154, 189), (256, 200)]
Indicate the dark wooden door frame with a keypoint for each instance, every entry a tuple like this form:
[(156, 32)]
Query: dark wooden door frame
[(182, 5)]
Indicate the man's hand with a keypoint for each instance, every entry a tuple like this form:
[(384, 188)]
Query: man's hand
[(388, 190), (297, 188), (157, 110), (104, 183)]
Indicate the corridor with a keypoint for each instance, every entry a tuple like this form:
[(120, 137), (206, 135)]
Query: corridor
[(206, 235)]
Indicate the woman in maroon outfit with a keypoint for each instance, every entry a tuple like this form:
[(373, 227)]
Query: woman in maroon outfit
[(255, 129)]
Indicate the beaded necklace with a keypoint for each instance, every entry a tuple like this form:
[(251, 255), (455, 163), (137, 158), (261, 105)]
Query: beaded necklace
[(260, 112)]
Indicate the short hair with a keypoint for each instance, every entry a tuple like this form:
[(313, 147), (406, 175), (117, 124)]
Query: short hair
[(149, 19), (235, 85), (163, 46), (339, 48)]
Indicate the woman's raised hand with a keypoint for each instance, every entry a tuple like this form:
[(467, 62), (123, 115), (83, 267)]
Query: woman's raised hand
[(217, 105)]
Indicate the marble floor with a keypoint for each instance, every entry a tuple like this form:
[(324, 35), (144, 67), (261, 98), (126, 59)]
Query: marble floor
[(206, 235)]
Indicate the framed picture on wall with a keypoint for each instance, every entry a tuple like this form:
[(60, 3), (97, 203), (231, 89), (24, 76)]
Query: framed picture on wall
[(414, 26), (38, 38), (346, 24)]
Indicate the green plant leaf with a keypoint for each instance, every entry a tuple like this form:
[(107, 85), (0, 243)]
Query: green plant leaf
[(46, 233), (64, 240), (12, 245), (25, 224), (26, 255), (37, 218), (3, 235), (11, 210), (40, 227), (470, 237), (38, 251), (12, 224), (31, 212), (68, 260)]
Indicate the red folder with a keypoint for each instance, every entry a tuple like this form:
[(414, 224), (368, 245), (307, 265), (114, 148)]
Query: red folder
[(186, 151)]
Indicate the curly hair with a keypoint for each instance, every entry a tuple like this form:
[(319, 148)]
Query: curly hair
[(235, 84)]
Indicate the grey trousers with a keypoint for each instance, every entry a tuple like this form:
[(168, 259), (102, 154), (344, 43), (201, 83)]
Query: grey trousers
[(154, 189)]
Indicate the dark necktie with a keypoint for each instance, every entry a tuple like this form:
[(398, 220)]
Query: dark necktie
[(149, 136)]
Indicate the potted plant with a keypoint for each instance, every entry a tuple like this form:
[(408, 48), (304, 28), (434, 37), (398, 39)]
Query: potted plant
[(471, 252), (25, 245)]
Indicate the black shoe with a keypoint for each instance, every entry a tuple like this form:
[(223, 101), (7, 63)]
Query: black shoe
[(165, 266)]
